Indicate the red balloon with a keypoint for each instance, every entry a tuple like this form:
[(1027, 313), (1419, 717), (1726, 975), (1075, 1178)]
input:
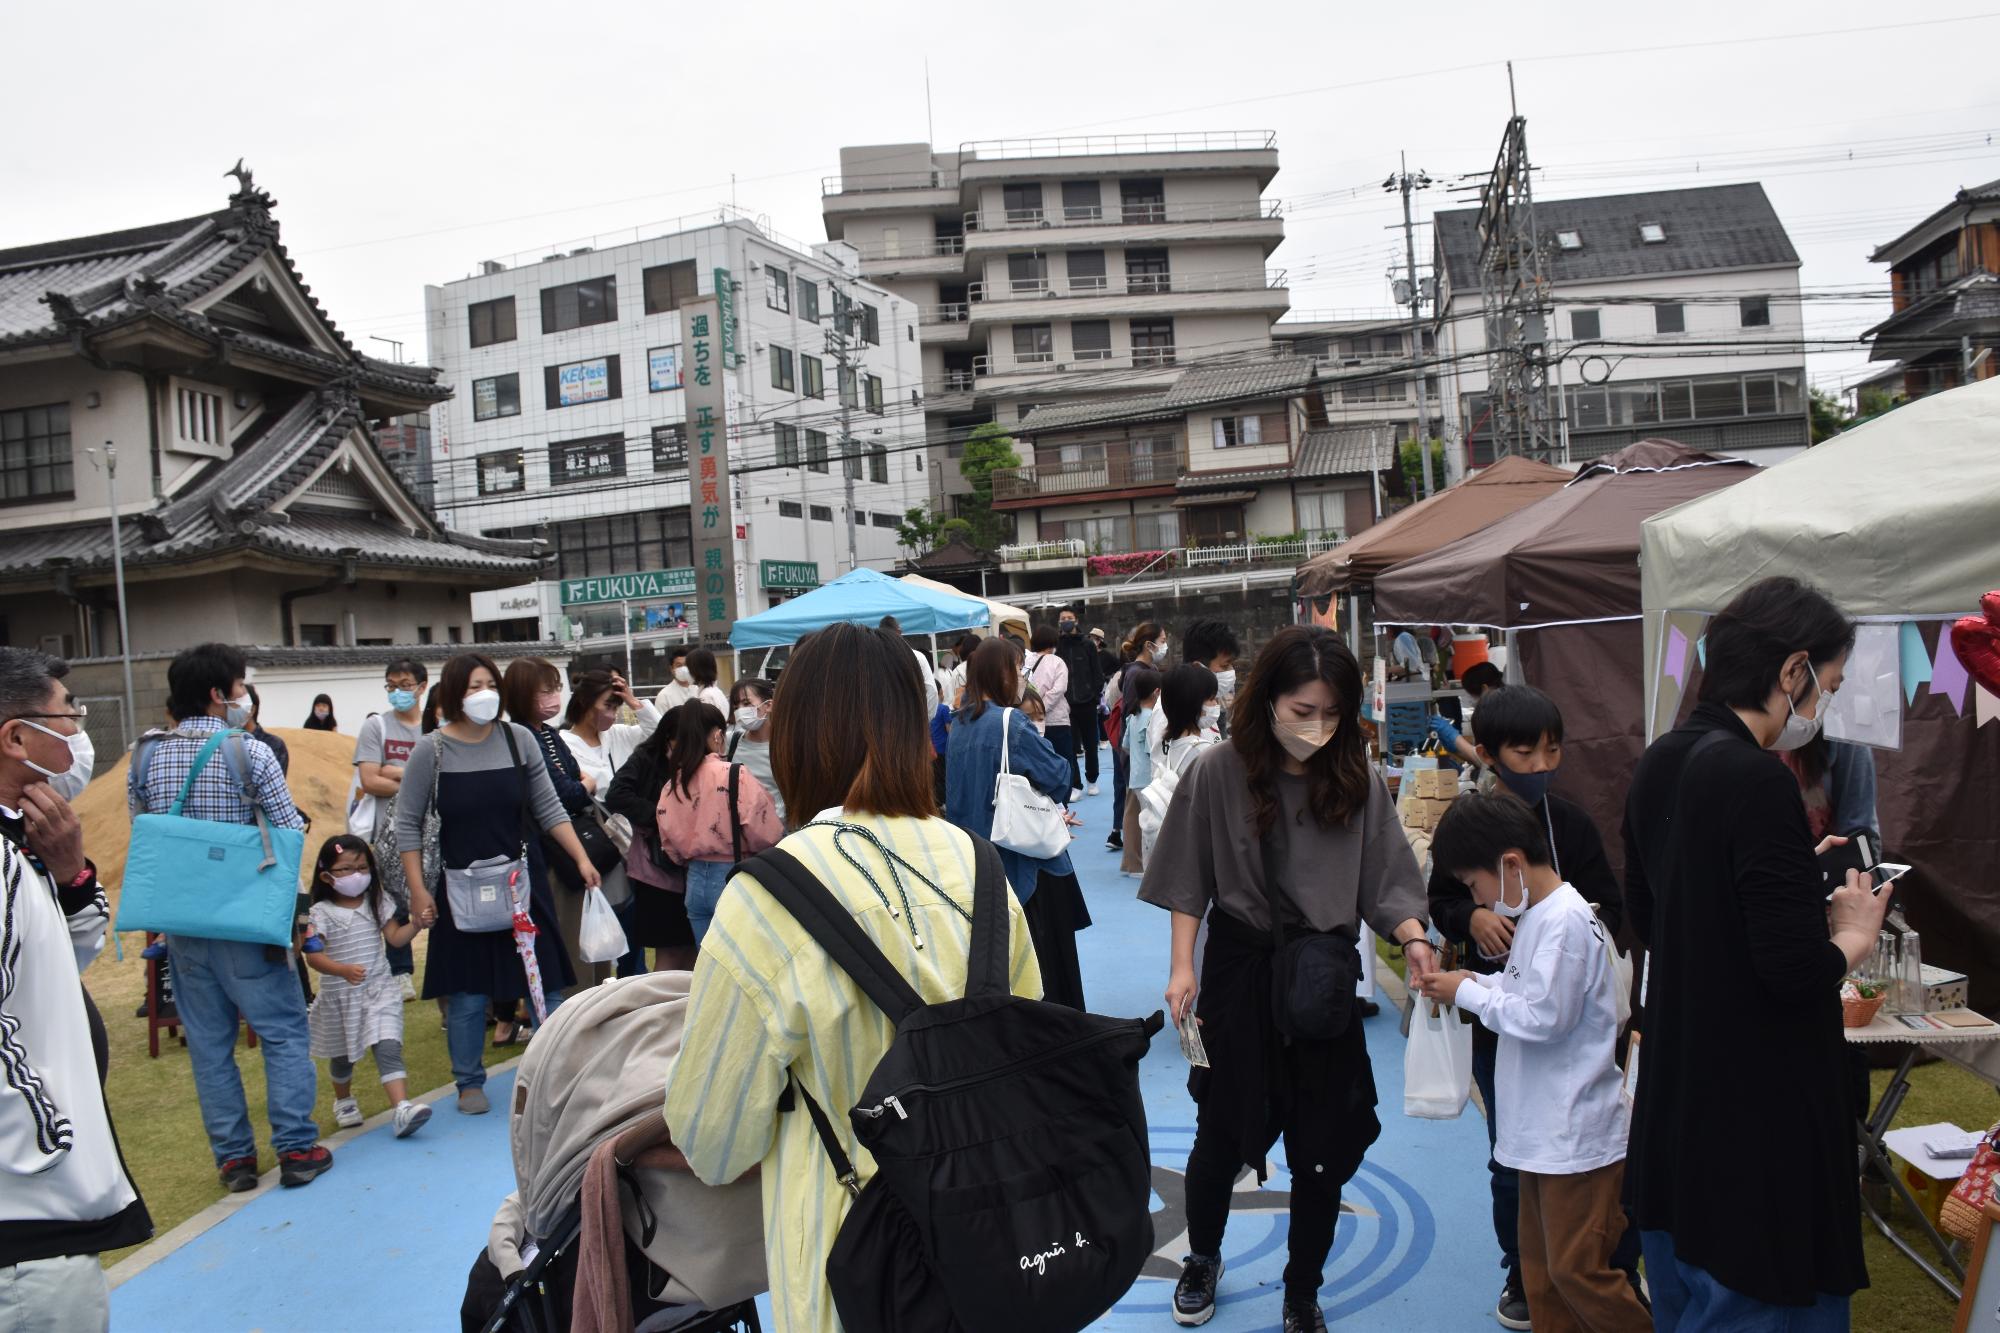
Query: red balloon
[(1976, 640)]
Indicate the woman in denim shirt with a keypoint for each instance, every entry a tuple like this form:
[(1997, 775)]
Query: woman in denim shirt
[(1048, 890)]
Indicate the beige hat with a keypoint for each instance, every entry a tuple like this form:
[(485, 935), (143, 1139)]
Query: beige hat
[(1096, 633)]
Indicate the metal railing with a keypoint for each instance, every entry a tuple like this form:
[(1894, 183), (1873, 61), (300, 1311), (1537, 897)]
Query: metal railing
[(1112, 473), (1091, 145), (1125, 214), (1090, 359), (1071, 549), (1252, 552), (1128, 284), (873, 181), (941, 247), (951, 312), (952, 381)]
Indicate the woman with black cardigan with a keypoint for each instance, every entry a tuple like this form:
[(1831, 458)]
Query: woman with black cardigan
[(1742, 1032), (659, 918), (1289, 792)]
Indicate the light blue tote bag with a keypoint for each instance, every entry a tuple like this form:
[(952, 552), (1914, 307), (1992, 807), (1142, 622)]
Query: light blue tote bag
[(215, 881)]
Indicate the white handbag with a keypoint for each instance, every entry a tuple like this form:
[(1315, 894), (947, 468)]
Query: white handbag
[(1024, 820)]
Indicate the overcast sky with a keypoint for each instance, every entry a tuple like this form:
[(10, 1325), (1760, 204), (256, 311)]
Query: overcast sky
[(406, 142)]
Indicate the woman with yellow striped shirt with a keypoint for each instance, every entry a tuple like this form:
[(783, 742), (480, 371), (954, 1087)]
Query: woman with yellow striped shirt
[(852, 757)]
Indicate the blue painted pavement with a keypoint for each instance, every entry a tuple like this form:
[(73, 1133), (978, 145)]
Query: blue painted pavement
[(383, 1241)]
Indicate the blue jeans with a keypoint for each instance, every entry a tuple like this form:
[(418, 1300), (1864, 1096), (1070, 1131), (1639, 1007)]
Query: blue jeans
[(706, 880), (215, 983), (1689, 1298), (465, 1035)]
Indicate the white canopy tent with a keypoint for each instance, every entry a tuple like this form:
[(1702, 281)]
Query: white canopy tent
[(1006, 619)]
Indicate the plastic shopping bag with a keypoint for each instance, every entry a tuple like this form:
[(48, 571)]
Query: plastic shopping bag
[(1437, 1064), (600, 938)]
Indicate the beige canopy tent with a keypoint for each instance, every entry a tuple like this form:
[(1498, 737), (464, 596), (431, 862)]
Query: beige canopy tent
[(1896, 520), (1006, 619)]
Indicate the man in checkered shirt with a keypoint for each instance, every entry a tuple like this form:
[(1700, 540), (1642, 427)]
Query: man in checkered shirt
[(217, 980)]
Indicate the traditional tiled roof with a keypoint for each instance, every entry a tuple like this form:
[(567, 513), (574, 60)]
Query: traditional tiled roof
[(1205, 387), (230, 507), (1344, 451), (1233, 479), (1074, 416), (1977, 194), (1707, 229), (1968, 305), (97, 283)]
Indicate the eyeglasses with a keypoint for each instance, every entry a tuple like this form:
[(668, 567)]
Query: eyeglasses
[(82, 712)]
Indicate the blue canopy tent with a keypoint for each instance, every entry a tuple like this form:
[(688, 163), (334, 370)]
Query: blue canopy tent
[(861, 597)]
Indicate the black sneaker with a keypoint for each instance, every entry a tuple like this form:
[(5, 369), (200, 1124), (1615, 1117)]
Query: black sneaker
[(302, 1168), (1194, 1294), (1304, 1318), (239, 1174), (1115, 843), (1512, 1308)]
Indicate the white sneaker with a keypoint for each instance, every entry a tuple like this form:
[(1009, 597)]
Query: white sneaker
[(1093, 789), (409, 988), (347, 1113), (410, 1117), (1076, 793)]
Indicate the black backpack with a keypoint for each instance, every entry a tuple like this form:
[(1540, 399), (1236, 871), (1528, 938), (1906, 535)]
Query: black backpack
[(1012, 1187)]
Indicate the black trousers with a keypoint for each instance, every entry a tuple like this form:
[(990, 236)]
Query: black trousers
[(1089, 729), (1213, 1168), (1063, 740)]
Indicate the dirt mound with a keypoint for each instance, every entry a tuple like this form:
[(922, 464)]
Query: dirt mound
[(322, 767)]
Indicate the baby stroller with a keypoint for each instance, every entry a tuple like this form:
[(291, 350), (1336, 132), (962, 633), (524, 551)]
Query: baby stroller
[(608, 1230)]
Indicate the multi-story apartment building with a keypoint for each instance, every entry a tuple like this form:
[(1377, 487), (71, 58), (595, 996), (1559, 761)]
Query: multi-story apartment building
[(1365, 370), (1051, 270), (1676, 313), (570, 421), (1944, 275)]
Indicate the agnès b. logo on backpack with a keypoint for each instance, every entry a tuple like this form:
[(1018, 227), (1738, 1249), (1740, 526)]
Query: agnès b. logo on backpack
[(1040, 1262)]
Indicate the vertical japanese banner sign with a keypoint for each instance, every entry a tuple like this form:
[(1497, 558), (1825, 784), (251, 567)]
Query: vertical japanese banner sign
[(709, 515)]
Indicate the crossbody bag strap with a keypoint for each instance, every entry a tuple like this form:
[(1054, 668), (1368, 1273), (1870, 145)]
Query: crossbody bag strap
[(986, 971), (835, 930), (843, 1165), (507, 734), (201, 759), (1274, 893), (237, 755)]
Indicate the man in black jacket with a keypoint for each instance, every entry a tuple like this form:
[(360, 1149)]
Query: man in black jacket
[(1086, 684), (1519, 731)]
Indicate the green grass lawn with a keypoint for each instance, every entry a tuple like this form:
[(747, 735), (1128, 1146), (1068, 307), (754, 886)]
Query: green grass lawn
[(1900, 1298), (158, 1119)]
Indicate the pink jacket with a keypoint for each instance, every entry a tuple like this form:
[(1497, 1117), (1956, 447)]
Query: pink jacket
[(698, 829)]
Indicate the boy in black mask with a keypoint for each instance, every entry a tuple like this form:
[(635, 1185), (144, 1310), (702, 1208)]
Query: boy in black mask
[(1519, 731)]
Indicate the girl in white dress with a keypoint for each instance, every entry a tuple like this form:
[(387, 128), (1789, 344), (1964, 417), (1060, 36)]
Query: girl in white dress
[(360, 1006)]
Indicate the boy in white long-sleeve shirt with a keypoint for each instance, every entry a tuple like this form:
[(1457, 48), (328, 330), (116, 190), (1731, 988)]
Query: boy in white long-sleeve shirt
[(1563, 1121)]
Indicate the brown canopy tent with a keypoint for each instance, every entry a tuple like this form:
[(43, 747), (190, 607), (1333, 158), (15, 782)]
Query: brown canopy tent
[(1481, 499), (1562, 578)]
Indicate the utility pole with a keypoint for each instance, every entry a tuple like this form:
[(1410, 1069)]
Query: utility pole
[(118, 575), (840, 341), (1411, 290)]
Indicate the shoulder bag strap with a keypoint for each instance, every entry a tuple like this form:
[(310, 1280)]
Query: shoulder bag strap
[(1006, 725), (843, 1165), (734, 741), (201, 759), (735, 816), (237, 755), (835, 930), (1274, 893), (986, 971), (507, 733)]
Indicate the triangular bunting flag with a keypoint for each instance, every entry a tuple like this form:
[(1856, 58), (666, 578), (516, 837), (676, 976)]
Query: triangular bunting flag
[(1948, 674), (1985, 704), (1916, 661)]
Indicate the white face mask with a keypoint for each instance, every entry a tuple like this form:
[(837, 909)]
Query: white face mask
[(482, 706), (750, 718), (1160, 651), (352, 886), (1511, 911), (1799, 730), (70, 782), (683, 675), (238, 711), (1211, 715), (1226, 682)]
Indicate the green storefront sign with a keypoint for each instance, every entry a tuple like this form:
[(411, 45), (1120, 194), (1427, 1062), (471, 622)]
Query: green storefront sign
[(725, 306), (789, 573), (653, 583)]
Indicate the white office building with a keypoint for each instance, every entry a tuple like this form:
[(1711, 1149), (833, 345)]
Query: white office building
[(569, 423)]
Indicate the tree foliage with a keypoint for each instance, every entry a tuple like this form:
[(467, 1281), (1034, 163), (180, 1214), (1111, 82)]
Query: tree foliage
[(921, 531), (988, 449), (1413, 480)]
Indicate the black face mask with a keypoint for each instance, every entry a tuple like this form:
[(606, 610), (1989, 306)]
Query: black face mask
[(1067, 627)]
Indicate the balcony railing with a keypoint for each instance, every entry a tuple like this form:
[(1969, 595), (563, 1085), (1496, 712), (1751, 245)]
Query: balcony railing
[(1127, 284), (952, 381), (1082, 359), (941, 247), (1115, 473), (870, 182), (1289, 549), (1093, 145), (1072, 549), (951, 312), (1125, 214)]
